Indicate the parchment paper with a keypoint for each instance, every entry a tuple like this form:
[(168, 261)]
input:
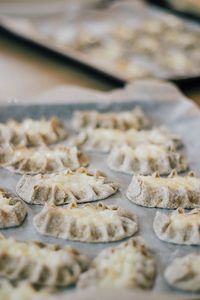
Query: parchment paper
[(163, 103)]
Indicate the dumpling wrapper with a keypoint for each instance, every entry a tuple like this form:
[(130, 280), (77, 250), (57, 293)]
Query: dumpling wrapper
[(30, 132), (103, 140), (12, 210), (165, 192), (178, 227), (65, 187), (88, 223), (41, 160), (128, 265), (184, 273), (112, 120), (145, 160)]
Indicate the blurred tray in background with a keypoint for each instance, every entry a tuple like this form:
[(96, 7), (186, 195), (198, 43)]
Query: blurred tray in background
[(80, 41), (189, 9)]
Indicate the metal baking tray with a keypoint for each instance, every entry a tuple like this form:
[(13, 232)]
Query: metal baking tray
[(178, 115), (31, 32), (186, 10), (9, 27)]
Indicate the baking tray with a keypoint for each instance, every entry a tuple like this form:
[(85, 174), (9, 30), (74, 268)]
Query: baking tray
[(189, 12), (10, 28), (28, 31), (181, 116)]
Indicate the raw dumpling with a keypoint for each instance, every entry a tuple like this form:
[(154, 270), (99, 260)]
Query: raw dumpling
[(145, 159), (42, 159), (178, 227), (184, 273), (21, 291), (31, 132), (65, 187), (12, 210), (171, 192), (99, 140), (129, 265), (103, 140), (114, 120), (89, 223), (37, 263)]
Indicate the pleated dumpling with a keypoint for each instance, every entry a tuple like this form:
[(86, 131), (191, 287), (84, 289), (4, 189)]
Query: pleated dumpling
[(103, 140), (41, 160), (65, 187), (31, 132), (145, 159), (156, 136), (123, 120), (89, 223), (12, 210), (165, 192), (178, 227), (38, 263), (184, 273), (98, 140), (128, 265)]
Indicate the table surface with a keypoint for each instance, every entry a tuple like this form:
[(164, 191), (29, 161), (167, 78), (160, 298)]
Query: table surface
[(25, 72)]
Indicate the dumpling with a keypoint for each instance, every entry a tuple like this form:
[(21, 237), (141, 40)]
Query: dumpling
[(99, 140), (103, 140), (145, 159), (171, 192), (42, 159), (12, 210), (22, 291), (113, 120), (64, 187), (42, 264), (179, 227), (89, 223), (184, 273), (128, 265), (31, 132), (157, 135)]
